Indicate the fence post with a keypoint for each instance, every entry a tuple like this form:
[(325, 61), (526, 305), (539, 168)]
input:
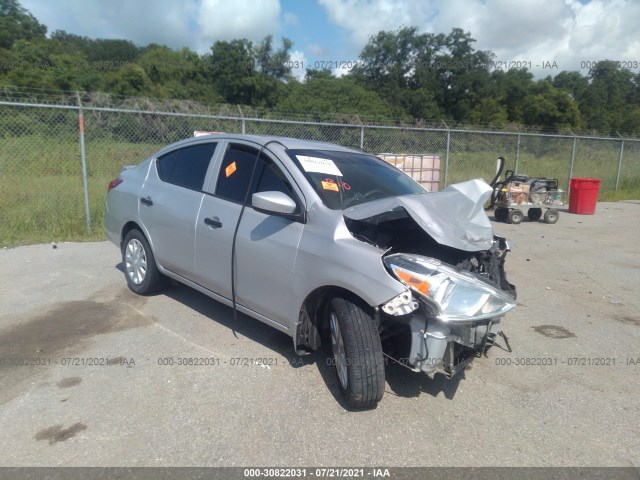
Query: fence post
[(244, 129), (517, 154), (85, 184), (619, 162), (573, 158), (446, 158), (362, 137)]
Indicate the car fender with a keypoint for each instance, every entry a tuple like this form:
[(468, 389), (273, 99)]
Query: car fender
[(347, 263)]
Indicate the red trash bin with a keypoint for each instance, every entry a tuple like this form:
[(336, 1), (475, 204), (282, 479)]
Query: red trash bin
[(583, 195)]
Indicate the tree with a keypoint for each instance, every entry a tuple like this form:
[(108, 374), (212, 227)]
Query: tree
[(247, 75), (511, 88), (488, 111), (322, 93), (550, 107), (130, 80), (463, 73), (16, 23), (426, 75), (398, 65), (610, 94), (402, 73), (34, 64), (272, 63), (572, 82), (177, 73), (231, 70)]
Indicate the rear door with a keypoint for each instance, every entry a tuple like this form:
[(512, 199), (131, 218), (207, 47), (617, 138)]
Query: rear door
[(169, 203), (266, 245)]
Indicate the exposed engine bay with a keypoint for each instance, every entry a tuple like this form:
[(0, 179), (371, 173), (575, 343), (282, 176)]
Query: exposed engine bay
[(397, 232)]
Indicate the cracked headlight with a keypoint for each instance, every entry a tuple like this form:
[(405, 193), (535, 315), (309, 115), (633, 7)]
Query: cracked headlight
[(456, 294)]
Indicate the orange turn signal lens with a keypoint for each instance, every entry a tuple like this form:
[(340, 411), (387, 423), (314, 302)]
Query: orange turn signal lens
[(420, 285)]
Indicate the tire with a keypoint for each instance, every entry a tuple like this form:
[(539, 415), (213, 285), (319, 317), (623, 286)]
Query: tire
[(534, 214), (515, 216), (551, 216), (501, 214), (357, 353), (140, 270)]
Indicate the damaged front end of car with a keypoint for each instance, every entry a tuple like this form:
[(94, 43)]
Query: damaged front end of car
[(441, 247), (456, 316)]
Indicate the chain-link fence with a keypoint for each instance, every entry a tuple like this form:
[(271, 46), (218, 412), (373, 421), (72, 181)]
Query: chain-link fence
[(54, 173)]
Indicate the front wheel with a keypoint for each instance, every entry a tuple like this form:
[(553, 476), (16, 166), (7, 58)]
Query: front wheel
[(140, 270), (515, 216), (501, 214), (357, 353)]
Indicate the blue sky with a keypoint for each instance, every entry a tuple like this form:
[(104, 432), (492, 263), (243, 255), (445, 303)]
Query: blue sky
[(547, 36)]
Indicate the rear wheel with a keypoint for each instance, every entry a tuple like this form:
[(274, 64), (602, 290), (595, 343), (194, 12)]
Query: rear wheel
[(357, 353), (551, 215), (140, 270)]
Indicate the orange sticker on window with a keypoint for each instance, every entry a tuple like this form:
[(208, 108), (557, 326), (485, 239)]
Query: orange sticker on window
[(330, 186), (230, 169)]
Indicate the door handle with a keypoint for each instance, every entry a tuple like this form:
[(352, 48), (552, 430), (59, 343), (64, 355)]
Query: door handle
[(213, 222), (146, 201)]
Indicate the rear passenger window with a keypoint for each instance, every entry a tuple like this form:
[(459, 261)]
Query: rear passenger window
[(166, 164), (187, 166)]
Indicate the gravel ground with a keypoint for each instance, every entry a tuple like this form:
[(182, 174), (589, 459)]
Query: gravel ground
[(566, 396)]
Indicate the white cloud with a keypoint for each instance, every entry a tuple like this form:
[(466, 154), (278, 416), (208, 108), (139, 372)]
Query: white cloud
[(298, 60), (189, 23), (290, 19), (364, 18), (318, 50), (342, 69), (140, 22), (225, 20)]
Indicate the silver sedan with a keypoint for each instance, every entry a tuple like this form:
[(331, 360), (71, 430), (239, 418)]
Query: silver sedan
[(321, 242)]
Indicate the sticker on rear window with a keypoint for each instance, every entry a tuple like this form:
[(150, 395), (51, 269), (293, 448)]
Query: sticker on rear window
[(319, 165), (230, 169)]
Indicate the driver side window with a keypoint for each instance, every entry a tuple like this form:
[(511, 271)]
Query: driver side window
[(235, 175)]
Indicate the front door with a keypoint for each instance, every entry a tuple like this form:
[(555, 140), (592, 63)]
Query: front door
[(266, 245)]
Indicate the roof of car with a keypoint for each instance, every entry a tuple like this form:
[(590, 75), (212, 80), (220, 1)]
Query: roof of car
[(289, 143)]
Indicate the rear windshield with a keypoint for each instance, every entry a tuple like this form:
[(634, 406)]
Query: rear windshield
[(345, 179)]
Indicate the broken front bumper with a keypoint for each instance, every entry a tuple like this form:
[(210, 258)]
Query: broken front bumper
[(446, 346), (453, 312)]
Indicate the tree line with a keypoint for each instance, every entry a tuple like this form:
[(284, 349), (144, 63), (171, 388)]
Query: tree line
[(401, 74)]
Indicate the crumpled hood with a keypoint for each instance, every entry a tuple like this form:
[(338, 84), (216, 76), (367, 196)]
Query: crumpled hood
[(454, 217)]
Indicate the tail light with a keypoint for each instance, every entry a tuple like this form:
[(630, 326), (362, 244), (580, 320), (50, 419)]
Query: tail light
[(114, 183)]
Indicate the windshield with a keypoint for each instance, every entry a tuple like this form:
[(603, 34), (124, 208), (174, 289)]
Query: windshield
[(345, 179)]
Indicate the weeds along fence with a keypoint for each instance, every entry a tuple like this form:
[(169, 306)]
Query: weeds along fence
[(56, 160)]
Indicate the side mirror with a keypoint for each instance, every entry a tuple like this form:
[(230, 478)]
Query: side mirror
[(273, 202)]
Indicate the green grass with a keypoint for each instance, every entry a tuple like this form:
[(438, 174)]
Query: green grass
[(41, 187), (626, 191), (42, 197)]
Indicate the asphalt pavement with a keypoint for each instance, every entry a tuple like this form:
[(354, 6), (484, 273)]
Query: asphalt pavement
[(93, 375)]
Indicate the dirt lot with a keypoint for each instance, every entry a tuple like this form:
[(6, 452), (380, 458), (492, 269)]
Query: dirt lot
[(568, 394)]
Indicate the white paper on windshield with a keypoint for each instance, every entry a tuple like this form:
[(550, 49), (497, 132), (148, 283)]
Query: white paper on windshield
[(319, 165)]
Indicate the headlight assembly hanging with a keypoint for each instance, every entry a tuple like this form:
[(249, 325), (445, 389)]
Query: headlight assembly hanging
[(457, 295)]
